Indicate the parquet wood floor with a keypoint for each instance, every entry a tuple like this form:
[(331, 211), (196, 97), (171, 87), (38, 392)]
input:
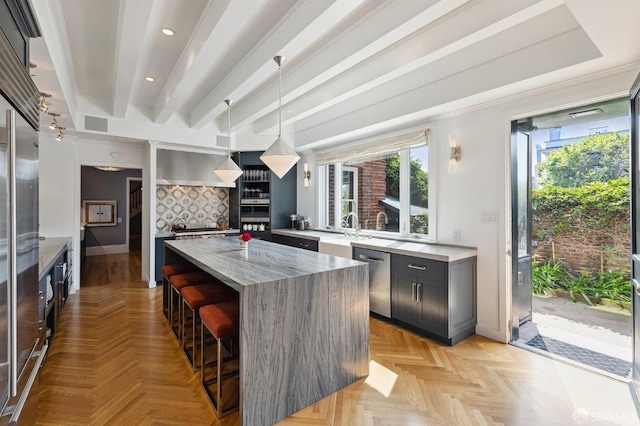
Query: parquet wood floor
[(114, 361)]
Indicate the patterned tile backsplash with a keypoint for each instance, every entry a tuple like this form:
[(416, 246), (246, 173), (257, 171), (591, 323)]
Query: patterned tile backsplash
[(195, 204)]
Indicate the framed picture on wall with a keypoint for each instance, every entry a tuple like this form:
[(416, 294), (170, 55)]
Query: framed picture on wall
[(100, 212)]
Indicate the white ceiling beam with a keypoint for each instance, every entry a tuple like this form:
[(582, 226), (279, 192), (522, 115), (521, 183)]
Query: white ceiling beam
[(444, 33), (370, 29), (133, 20), (54, 30), (486, 78), (217, 27), (306, 22)]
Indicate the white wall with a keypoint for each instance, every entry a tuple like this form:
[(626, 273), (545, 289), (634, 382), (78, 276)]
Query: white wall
[(481, 182), (60, 203)]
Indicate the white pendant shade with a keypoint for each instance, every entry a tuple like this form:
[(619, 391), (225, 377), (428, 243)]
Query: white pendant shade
[(228, 171), (280, 157)]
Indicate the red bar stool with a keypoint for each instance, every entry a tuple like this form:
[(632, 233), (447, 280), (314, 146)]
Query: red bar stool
[(178, 282), (167, 272), (193, 298), (222, 321)]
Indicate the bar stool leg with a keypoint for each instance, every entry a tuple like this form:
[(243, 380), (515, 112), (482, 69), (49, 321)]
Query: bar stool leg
[(191, 352)]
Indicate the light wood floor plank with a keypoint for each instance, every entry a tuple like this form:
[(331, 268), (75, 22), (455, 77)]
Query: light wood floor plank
[(114, 361)]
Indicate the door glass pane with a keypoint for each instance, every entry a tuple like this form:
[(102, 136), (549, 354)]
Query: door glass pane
[(522, 188), (637, 163), (419, 189), (349, 196)]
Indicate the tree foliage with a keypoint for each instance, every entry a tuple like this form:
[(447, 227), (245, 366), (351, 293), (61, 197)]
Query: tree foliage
[(596, 158), (419, 181)]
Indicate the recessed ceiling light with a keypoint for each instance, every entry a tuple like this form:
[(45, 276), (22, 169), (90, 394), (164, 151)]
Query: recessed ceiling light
[(150, 79), (168, 31)]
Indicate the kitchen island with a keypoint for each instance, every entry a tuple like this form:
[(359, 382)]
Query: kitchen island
[(304, 321)]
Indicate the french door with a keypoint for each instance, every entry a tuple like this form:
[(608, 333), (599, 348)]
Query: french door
[(521, 290), (635, 229)]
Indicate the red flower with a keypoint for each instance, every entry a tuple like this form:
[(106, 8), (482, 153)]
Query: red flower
[(245, 237)]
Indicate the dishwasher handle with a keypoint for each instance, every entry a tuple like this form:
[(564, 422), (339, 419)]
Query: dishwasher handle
[(369, 258)]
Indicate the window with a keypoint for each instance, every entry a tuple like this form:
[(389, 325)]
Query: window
[(387, 193), (349, 196), (419, 190)]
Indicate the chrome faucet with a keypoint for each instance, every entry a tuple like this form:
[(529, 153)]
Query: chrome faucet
[(386, 220), (357, 225)]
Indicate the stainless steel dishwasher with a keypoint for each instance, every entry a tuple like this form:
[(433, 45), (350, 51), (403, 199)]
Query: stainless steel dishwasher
[(379, 279)]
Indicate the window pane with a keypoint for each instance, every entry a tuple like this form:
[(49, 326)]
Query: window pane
[(377, 192), (419, 189)]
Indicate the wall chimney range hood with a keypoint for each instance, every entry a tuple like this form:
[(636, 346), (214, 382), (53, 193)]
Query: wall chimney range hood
[(188, 168)]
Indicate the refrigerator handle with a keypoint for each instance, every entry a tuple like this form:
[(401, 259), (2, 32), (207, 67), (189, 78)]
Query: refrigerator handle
[(12, 273)]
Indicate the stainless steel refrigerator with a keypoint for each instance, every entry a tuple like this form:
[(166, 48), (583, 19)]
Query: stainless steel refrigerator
[(20, 329), (19, 268)]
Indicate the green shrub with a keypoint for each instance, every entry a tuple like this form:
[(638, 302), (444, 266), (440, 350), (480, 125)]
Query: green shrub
[(581, 285), (615, 286), (547, 276)]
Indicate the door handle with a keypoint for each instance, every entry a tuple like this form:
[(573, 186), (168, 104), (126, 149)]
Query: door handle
[(421, 268), (413, 292), (373, 259), (519, 278), (419, 293)]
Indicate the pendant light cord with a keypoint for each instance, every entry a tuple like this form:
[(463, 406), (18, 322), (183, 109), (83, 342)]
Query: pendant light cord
[(279, 100), (229, 129)]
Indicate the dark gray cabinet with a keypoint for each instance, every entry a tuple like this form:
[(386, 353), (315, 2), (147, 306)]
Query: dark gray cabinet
[(434, 297), (53, 292), (260, 197), (302, 243), (160, 256)]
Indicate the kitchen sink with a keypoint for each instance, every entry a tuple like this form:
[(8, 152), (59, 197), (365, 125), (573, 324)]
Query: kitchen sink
[(340, 245)]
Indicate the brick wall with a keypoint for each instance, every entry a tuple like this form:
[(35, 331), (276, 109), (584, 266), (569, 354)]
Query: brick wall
[(371, 188), (585, 256)]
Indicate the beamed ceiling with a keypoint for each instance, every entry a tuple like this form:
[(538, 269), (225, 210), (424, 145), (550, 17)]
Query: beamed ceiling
[(354, 68)]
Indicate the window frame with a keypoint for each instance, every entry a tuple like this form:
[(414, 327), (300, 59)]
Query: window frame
[(405, 209)]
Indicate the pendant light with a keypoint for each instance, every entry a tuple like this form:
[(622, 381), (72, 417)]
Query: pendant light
[(228, 170), (280, 157)]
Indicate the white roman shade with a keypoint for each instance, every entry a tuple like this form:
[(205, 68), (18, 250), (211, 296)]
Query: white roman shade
[(374, 148)]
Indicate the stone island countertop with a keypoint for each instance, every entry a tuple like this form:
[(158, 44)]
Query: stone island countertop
[(304, 321)]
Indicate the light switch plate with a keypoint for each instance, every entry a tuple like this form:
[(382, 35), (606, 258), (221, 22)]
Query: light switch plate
[(489, 217)]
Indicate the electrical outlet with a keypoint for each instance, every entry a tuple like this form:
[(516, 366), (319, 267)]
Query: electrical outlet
[(456, 235)]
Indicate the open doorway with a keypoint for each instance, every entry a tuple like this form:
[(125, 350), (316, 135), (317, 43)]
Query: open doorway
[(113, 247), (571, 233), (134, 213)]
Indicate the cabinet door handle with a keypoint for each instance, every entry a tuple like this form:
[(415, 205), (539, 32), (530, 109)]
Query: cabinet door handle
[(419, 293), (373, 259), (413, 292), (422, 268)]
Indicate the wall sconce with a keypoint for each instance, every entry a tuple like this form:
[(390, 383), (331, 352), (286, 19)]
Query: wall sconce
[(54, 122), (306, 175), (60, 136), (455, 154), (44, 105)]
